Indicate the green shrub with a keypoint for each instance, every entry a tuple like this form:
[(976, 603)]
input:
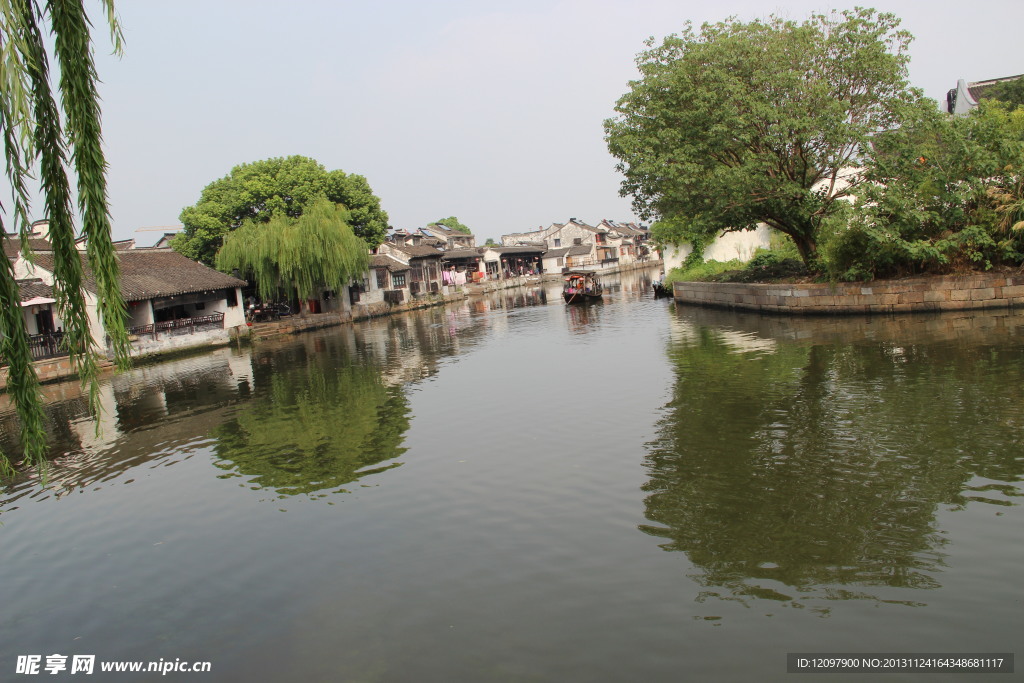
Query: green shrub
[(703, 271)]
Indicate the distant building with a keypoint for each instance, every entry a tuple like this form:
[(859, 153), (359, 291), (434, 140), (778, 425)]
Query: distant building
[(608, 245), (966, 96)]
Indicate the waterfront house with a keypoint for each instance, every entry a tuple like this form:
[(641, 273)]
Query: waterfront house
[(609, 245), (172, 302), (424, 266), (469, 261), (566, 258)]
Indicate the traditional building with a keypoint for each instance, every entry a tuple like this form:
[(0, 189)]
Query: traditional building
[(172, 302), (966, 96)]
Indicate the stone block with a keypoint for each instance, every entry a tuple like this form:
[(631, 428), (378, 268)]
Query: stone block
[(982, 294), (960, 295), (910, 297)]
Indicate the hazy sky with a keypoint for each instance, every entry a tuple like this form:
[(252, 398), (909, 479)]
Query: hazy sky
[(490, 111)]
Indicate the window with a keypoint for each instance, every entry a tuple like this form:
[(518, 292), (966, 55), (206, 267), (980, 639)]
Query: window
[(561, 262), (382, 278), (232, 297), (558, 242), (578, 240), (398, 280)]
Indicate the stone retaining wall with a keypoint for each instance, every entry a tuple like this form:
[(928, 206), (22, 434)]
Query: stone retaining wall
[(946, 293)]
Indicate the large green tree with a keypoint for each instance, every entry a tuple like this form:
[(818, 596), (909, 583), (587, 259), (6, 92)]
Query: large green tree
[(46, 135), (275, 188), (300, 254), (746, 123)]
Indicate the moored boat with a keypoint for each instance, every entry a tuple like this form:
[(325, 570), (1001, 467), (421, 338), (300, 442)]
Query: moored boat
[(581, 286)]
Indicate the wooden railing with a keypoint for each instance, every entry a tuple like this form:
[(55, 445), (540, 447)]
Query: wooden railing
[(180, 326), (44, 346)]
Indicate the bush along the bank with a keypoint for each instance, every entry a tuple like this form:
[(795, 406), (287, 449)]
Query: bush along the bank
[(944, 194)]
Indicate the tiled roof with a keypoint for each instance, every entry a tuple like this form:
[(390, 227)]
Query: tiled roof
[(389, 262), (556, 253), (578, 250), (12, 245), (979, 89), (461, 253), (30, 289), (520, 250), (420, 251), (150, 273)]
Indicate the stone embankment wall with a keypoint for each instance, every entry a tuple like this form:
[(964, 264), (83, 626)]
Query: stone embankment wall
[(947, 293)]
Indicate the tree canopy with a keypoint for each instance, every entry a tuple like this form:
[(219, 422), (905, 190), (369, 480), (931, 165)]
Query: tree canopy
[(453, 223), (942, 193), (46, 135), (281, 187), (1010, 92), (302, 253), (746, 123)]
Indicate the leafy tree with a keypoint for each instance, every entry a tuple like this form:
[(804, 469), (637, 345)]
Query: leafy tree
[(1010, 92), (747, 123), (40, 134), (944, 193), (491, 243), (281, 187), (453, 223), (315, 249)]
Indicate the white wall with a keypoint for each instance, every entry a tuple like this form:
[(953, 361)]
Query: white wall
[(732, 245)]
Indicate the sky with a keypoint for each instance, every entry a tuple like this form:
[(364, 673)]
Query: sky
[(489, 111)]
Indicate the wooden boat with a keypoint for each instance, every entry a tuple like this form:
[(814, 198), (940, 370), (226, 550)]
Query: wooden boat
[(581, 286)]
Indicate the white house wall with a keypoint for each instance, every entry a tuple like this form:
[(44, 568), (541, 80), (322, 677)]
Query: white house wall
[(731, 245)]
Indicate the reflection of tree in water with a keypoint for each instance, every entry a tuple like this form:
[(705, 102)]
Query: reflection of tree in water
[(314, 427), (820, 467)]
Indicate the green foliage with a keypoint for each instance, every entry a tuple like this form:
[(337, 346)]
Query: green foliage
[(1010, 92), (316, 435), (453, 223), (747, 123), (37, 131), (702, 271), (767, 266), (945, 194), (281, 187), (490, 242), (316, 249)]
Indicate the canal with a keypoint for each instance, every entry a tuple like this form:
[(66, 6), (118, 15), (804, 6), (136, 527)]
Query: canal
[(510, 489)]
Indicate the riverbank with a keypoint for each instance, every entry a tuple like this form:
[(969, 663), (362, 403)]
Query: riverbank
[(59, 369), (911, 295)]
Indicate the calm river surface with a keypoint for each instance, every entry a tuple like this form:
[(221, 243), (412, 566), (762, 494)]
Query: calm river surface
[(510, 489)]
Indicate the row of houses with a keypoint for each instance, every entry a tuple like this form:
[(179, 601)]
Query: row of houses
[(176, 303)]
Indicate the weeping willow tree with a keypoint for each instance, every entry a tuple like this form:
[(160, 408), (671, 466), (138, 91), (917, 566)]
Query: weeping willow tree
[(48, 136), (315, 250)]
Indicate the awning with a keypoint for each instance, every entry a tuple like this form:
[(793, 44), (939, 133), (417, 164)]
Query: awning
[(38, 301)]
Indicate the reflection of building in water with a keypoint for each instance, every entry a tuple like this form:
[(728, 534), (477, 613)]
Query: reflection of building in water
[(685, 331), (152, 408)]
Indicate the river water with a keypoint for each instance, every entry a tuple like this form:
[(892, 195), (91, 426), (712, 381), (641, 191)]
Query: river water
[(510, 489)]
